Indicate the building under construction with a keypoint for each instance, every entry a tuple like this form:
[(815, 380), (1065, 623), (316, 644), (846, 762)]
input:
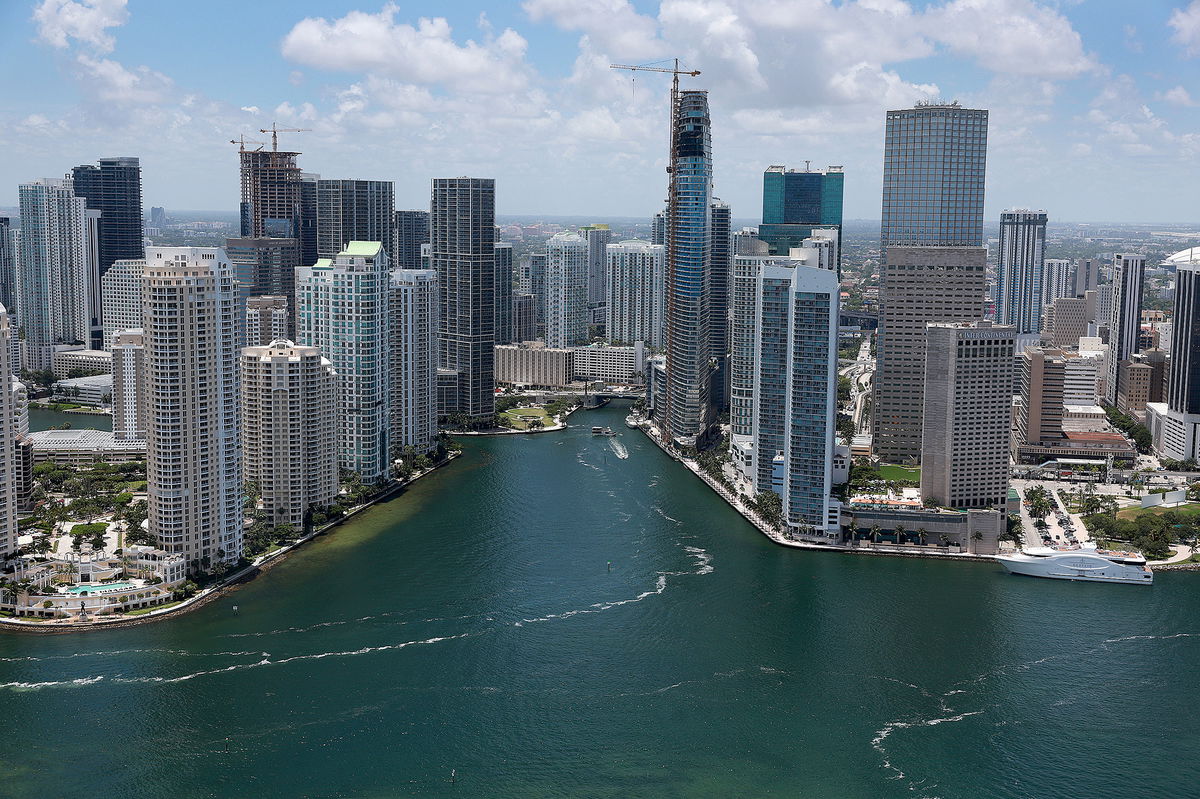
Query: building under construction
[(271, 188)]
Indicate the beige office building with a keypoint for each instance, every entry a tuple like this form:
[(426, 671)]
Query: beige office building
[(289, 445), (920, 285), (965, 426), (194, 460), (1067, 319)]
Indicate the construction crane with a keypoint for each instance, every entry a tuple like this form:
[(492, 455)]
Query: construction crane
[(274, 131), (243, 141), (674, 72)]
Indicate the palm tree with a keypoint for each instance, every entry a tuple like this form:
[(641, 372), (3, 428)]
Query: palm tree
[(875, 531), (976, 536), (900, 531), (852, 528), (921, 533)]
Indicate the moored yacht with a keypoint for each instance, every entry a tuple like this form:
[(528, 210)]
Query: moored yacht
[(1079, 562)]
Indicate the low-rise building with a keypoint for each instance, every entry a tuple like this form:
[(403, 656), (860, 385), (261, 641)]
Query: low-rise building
[(68, 362), (82, 447), (94, 390), (612, 364)]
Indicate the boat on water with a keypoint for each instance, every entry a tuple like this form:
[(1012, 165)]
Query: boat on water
[(631, 421), (603, 431), (1079, 562)]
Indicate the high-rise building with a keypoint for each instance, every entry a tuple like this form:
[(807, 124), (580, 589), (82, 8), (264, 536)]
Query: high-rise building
[(268, 318), (8, 264), (934, 264), (658, 228), (1066, 319), (784, 382), (1057, 281), (921, 285), (115, 189), (504, 292), (635, 293), (967, 414), (307, 237), (130, 402), (1085, 276), (121, 297), (271, 191), (532, 280), (158, 216), (193, 452), (289, 422), (413, 352), (343, 311), (934, 160), (1125, 318), (265, 266), (688, 413), (566, 290), (353, 210), (56, 270), (8, 444), (410, 229), (1040, 402), (598, 238), (1019, 287), (720, 268), (525, 326), (462, 252), (795, 202)]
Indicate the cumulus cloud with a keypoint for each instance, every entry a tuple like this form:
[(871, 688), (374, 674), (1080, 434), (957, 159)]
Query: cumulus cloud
[(424, 53), (1186, 24), (1178, 96), (614, 26), (112, 82), (86, 21)]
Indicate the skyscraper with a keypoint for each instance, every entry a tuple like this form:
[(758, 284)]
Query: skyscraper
[(504, 292), (784, 382), (1057, 281), (524, 317), (265, 266), (158, 216), (271, 204), (413, 353), (343, 306), (658, 228), (967, 414), (353, 210), (121, 297), (462, 252), (688, 413), (566, 290), (289, 419), (532, 280), (8, 264), (598, 238), (1125, 319), (934, 160), (1086, 275), (1019, 278), (720, 267), (193, 455), (634, 304), (410, 229), (795, 202), (56, 269), (268, 318), (934, 267), (8, 447), (130, 402), (115, 189), (307, 237)]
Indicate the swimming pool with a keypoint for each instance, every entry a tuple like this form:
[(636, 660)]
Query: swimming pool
[(100, 588)]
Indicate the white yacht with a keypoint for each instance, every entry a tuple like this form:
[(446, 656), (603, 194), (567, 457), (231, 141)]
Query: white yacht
[(1079, 562)]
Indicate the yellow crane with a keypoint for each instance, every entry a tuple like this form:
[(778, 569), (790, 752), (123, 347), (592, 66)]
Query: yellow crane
[(275, 131)]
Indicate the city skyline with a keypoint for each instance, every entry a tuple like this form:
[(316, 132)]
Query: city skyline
[(1071, 92)]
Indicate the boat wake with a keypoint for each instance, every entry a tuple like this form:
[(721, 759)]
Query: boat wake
[(618, 448)]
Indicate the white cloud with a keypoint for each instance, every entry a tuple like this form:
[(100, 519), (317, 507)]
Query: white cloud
[(85, 21), (111, 82), (1178, 96), (1186, 22), (612, 25), (424, 53)]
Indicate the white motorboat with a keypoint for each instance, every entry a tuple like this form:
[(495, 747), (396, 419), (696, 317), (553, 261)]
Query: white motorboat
[(1079, 562)]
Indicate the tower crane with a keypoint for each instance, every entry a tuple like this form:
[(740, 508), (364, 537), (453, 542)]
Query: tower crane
[(275, 131), (243, 141)]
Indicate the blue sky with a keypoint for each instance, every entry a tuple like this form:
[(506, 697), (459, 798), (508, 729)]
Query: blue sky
[(1094, 103)]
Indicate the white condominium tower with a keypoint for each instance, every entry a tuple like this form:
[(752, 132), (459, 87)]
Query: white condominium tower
[(289, 425), (342, 309), (1020, 286), (121, 297), (784, 381), (129, 398), (8, 449), (635, 292), (267, 319), (413, 352), (57, 269), (193, 457), (566, 290)]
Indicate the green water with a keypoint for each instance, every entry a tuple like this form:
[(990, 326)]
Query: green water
[(42, 419), (473, 625)]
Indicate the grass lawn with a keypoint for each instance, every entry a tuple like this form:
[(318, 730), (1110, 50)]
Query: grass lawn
[(142, 611), (1190, 509), (890, 471), (521, 417)]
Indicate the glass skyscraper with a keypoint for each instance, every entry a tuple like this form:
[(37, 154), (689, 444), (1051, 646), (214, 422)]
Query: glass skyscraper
[(934, 159), (795, 203), (353, 210), (1021, 274), (410, 229), (688, 411), (115, 189)]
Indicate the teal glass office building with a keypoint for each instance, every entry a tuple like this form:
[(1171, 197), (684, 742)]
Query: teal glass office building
[(797, 202)]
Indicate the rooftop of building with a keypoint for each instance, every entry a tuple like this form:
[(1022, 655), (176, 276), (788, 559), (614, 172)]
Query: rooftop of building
[(366, 249), (99, 381), (80, 439)]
